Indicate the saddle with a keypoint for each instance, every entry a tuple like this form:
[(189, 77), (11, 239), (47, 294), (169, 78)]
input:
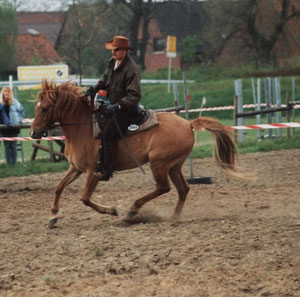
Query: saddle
[(144, 120)]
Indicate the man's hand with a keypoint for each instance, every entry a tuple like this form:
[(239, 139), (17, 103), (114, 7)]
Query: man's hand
[(112, 109), (90, 91)]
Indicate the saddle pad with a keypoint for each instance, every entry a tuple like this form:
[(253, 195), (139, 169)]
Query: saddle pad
[(150, 123)]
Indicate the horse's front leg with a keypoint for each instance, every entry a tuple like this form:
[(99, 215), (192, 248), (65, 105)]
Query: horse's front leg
[(71, 175), (90, 185)]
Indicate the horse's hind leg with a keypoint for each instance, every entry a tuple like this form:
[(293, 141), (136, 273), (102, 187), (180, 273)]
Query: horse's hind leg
[(71, 175), (160, 174), (181, 187), (90, 185)]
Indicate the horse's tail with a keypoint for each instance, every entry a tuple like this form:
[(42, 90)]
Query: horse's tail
[(225, 150)]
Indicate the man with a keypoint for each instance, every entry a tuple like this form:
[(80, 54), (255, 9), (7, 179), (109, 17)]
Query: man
[(122, 82)]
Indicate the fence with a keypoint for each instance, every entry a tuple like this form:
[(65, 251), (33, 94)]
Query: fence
[(238, 108), (272, 88)]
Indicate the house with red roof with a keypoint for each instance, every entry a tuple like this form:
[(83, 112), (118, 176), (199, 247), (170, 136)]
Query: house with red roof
[(38, 37)]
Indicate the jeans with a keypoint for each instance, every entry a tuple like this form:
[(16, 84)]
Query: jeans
[(10, 152)]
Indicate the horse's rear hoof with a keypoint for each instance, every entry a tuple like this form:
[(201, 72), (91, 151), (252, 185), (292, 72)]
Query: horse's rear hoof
[(114, 212), (52, 223)]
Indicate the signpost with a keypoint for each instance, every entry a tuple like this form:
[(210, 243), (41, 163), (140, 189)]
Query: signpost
[(30, 73), (171, 53)]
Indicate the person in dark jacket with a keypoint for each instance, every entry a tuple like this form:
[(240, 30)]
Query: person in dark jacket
[(121, 80)]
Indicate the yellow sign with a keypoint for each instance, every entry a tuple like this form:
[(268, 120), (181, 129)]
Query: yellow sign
[(171, 44), (31, 73)]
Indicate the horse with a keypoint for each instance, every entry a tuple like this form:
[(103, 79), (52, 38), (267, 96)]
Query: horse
[(165, 147)]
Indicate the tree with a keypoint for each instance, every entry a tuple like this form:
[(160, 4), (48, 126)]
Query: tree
[(260, 40), (255, 25), (8, 31), (141, 14), (84, 31), (188, 53)]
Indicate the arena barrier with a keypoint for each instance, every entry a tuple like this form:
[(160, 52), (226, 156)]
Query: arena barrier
[(245, 127), (230, 107)]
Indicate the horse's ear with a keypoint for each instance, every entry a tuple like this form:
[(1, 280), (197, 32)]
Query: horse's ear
[(44, 84)]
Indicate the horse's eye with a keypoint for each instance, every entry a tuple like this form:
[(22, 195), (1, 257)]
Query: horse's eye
[(44, 109)]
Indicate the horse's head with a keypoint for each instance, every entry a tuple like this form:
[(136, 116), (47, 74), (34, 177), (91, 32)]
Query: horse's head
[(45, 114)]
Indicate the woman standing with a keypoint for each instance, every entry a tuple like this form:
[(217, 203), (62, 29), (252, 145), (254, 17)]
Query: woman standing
[(15, 113)]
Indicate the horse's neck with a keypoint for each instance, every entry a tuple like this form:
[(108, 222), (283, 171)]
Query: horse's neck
[(79, 120)]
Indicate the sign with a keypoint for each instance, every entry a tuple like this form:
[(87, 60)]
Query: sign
[(29, 73), (171, 53), (171, 44)]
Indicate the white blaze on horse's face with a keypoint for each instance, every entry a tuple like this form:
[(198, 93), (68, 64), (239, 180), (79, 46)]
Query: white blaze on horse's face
[(44, 116)]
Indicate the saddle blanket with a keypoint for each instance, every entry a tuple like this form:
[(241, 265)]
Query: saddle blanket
[(150, 122)]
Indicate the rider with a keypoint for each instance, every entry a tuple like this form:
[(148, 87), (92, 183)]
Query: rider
[(122, 82)]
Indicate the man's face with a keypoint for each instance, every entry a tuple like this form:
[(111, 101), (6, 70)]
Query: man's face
[(119, 53)]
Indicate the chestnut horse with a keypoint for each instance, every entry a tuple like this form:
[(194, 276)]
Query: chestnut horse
[(165, 146)]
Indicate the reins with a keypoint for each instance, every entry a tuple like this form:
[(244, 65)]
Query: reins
[(102, 102), (55, 125), (120, 132)]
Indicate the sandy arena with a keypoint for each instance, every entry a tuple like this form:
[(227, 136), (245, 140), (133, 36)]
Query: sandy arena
[(234, 238)]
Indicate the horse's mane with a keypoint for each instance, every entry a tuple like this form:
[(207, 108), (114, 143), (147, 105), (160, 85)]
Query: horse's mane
[(66, 96)]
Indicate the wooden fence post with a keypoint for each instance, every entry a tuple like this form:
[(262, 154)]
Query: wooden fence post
[(176, 96), (51, 149), (288, 113), (256, 103), (293, 99), (258, 108), (277, 102), (268, 102), (235, 98), (239, 93)]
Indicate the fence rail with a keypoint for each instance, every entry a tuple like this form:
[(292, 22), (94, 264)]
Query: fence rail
[(84, 82)]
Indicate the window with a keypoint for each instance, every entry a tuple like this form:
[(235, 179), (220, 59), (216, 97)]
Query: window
[(159, 44)]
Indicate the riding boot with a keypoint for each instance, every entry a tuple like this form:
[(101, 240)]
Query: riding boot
[(100, 162), (108, 151)]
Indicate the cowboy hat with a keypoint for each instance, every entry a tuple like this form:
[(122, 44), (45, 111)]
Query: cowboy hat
[(118, 42)]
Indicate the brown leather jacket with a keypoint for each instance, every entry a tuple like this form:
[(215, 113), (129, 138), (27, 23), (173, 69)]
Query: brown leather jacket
[(122, 84)]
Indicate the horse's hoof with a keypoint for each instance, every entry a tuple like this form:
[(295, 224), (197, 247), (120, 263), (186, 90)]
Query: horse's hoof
[(175, 218), (52, 223), (114, 212)]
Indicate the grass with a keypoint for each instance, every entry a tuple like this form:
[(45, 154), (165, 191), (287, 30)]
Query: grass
[(252, 146), (32, 167), (216, 86)]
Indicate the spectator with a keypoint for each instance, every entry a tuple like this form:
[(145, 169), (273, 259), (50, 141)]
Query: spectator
[(15, 113), (3, 119)]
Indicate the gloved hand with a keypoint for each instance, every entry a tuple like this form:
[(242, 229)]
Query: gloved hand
[(112, 109), (90, 91)]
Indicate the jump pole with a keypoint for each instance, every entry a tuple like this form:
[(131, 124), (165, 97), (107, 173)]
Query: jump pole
[(192, 180)]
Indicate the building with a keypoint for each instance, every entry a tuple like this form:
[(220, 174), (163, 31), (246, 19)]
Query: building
[(38, 37)]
